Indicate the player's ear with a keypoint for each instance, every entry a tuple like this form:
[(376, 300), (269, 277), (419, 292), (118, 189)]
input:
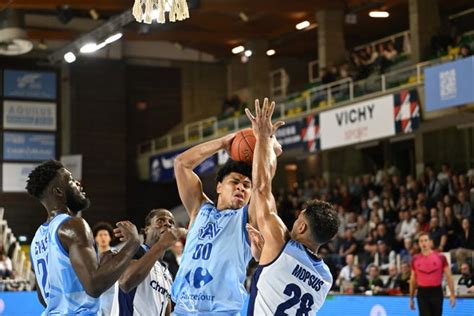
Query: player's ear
[(57, 191), (302, 227), (219, 188)]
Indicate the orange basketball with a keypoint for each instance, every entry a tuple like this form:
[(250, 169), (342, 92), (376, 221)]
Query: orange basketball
[(243, 145)]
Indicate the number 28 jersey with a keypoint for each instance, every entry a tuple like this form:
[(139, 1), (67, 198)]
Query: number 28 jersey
[(295, 283), (56, 278)]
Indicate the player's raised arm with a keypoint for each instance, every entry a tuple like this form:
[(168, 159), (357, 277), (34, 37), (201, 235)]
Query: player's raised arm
[(76, 237), (189, 184), (269, 223)]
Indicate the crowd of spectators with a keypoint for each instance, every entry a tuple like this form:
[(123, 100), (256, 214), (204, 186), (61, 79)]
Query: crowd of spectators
[(382, 216)]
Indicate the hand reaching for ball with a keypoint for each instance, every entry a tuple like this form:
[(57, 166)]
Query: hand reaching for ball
[(262, 125)]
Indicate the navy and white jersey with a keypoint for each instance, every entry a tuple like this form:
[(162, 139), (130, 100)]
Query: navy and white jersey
[(150, 297), (213, 268), (58, 282), (295, 283)]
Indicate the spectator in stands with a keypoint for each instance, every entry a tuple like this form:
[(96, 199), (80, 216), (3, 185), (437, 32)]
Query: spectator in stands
[(375, 282), (390, 52), (407, 251), (462, 209), (466, 279), (438, 235), (407, 226), (362, 230), (452, 227), (328, 76), (347, 272), (444, 177), (466, 243), (351, 221), (359, 280), (373, 197), (103, 233), (464, 51), (348, 245), (365, 209), (433, 188), (392, 285), (386, 257), (405, 278), (6, 267), (230, 106)]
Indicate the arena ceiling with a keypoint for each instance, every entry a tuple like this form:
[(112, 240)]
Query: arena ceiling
[(216, 26)]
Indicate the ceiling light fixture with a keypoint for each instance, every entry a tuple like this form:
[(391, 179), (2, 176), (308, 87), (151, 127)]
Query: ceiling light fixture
[(238, 49), (302, 25), (70, 57), (271, 52), (379, 14), (248, 53), (88, 48), (113, 38)]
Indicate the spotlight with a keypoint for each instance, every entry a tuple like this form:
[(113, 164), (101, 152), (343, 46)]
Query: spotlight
[(248, 53), (238, 49), (94, 14), (113, 38), (88, 48), (379, 14), (302, 25), (271, 52), (69, 57), (244, 17)]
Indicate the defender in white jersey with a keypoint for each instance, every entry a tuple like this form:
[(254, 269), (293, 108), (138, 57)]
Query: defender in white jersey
[(145, 287), (291, 279), (68, 275)]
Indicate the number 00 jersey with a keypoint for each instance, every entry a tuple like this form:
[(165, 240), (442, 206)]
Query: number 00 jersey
[(61, 289), (295, 283)]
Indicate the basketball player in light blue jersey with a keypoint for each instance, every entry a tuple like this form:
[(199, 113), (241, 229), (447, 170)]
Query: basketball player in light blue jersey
[(210, 279), (290, 279), (145, 286), (68, 276)]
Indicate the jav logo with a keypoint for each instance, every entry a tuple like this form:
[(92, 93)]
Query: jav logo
[(210, 230)]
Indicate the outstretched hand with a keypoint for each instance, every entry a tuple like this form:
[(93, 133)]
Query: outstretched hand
[(262, 125)]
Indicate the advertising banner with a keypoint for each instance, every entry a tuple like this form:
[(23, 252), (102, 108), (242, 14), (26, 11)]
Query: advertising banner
[(29, 146), (449, 84), (29, 115), (360, 122), (29, 84), (15, 175)]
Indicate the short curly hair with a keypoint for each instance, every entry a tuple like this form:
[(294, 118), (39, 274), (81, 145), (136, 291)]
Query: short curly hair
[(323, 220), (234, 166), (41, 177)]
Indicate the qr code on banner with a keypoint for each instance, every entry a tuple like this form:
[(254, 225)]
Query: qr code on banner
[(447, 84)]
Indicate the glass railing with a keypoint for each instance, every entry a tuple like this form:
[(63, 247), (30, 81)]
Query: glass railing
[(295, 105)]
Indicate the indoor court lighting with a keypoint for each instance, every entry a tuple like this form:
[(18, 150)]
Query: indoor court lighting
[(88, 48), (379, 14), (302, 25), (100, 46), (248, 53), (271, 52), (238, 49), (69, 57), (113, 38)]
